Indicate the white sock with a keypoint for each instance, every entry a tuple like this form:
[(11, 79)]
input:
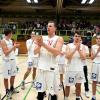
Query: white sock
[(77, 96), (66, 98), (94, 96)]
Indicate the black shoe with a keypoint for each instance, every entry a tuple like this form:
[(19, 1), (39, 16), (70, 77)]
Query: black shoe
[(93, 99), (52, 97), (8, 95), (78, 99)]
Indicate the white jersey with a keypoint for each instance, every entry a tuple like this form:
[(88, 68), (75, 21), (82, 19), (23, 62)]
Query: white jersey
[(61, 58), (11, 55), (76, 63), (30, 47), (87, 52), (94, 49), (46, 59)]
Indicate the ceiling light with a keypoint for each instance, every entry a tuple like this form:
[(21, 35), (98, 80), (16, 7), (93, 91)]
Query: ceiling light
[(91, 1), (35, 1), (83, 1), (28, 1)]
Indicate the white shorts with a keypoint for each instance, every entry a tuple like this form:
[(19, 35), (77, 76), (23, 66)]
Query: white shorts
[(47, 80), (95, 72), (9, 68), (61, 68), (32, 62), (73, 77)]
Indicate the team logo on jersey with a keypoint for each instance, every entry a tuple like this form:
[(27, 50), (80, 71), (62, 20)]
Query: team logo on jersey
[(9, 72), (94, 76), (38, 85), (71, 80), (30, 64)]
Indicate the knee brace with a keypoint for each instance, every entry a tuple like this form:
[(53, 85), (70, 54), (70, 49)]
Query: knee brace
[(40, 95), (52, 97)]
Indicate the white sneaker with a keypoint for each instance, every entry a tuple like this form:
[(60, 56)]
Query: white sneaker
[(87, 94), (23, 85)]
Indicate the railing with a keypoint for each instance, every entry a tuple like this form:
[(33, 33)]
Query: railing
[(44, 32)]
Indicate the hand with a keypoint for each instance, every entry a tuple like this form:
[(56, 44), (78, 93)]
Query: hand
[(16, 44), (39, 40), (78, 46)]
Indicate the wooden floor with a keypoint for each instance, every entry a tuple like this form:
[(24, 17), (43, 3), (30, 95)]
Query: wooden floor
[(21, 63)]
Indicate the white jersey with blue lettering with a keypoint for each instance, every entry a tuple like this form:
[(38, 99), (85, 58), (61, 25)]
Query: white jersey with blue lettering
[(46, 59), (76, 63), (94, 49)]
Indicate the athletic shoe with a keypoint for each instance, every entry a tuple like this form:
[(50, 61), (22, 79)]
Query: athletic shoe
[(87, 94), (78, 99), (14, 91), (9, 95), (93, 98), (23, 85)]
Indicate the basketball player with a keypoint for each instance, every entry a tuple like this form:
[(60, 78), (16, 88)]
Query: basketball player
[(61, 65), (49, 47), (85, 70), (95, 56), (9, 62), (32, 59), (75, 53)]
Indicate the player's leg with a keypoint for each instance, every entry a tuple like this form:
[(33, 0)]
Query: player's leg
[(94, 80), (7, 74), (24, 78), (35, 64), (86, 84), (13, 75), (41, 85), (78, 91), (52, 85)]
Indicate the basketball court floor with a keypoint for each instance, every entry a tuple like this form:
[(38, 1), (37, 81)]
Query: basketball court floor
[(30, 93)]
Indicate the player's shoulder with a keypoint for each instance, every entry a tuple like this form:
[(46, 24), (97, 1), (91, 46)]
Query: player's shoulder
[(95, 45)]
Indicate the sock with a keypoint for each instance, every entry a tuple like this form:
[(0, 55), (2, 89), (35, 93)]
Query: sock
[(94, 97), (66, 98), (78, 97), (7, 90), (11, 88)]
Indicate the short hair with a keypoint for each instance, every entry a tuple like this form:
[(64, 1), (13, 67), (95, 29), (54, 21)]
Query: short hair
[(77, 32), (98, 34), (53, 22), (7, 31)]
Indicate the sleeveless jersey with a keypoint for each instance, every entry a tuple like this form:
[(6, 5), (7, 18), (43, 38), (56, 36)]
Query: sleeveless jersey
[(11, 55), (76, 63), (97, 58), (46, 59), (30, 47)]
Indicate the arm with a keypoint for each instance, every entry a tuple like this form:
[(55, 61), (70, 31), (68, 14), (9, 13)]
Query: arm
[(93, 55), (69, 54), (82, 53), (6, 50)]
